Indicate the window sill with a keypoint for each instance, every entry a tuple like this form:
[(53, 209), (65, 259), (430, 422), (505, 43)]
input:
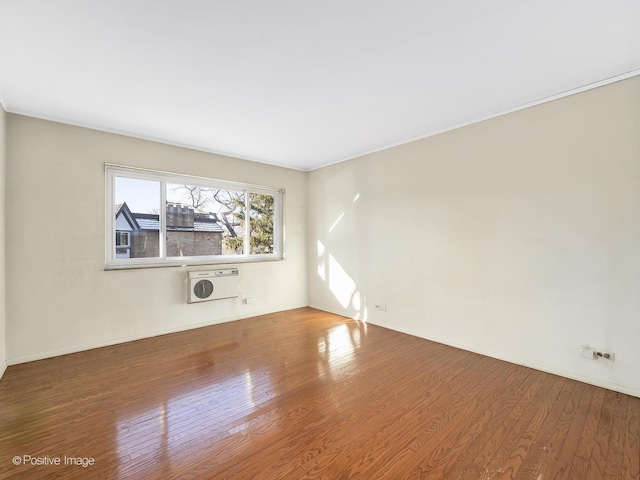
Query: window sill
[(173, 264)]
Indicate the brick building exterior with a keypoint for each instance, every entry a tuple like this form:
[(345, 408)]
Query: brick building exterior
[(189, 233)]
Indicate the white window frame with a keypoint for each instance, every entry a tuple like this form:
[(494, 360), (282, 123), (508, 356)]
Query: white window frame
[(111, 262)]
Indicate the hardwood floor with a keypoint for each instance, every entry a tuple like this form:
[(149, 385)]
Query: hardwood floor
[(307, 394)]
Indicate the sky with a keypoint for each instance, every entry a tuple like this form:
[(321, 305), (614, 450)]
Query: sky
[(143, 196)]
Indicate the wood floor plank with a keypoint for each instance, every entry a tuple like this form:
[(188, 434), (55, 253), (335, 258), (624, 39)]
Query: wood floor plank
[(598, 461), (530, 454), (507, 459), (308, 394), (391, 410), (614, 467), (536, 461), (263, 438), (521, 414), (450, 444), (631, 462), (561, 465), (580, 464), (391, 449), (491, 427)]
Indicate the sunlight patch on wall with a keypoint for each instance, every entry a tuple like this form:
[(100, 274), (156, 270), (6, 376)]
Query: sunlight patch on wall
[(321, 265), (340, 283), (355, 301), (336, 222)]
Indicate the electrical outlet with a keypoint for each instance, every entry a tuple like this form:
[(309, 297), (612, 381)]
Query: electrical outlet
[(604, 355), (249, 300), (382, 308), (591, 353)]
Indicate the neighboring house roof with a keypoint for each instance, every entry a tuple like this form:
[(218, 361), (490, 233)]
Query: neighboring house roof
[(206, 227), (148, 223), (197, 227), (123, 209), (206, 222), (203, 222)]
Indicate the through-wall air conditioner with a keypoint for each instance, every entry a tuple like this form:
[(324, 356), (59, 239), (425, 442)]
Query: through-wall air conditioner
[(212, 285)]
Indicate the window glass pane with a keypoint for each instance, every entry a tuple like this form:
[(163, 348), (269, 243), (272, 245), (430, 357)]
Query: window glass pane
[(137, 207), (194, 221), (204, 221), (261, 222)]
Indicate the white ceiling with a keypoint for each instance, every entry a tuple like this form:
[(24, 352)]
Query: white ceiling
[(298, 83)]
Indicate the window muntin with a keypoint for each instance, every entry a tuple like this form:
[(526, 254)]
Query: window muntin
[(204, 220)]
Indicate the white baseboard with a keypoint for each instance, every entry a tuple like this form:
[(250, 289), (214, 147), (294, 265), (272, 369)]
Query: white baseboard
[(543, 368), (3, 368), (116, 341)]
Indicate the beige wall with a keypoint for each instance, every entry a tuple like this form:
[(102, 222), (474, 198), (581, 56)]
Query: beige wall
[(3, 351), (60, 299), (517, 237)]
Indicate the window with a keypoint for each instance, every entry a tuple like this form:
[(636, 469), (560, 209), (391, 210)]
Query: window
[(156, 218), (122, 239), (122, 245)]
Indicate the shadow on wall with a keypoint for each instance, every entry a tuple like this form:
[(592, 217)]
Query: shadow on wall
[(341, 285)]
